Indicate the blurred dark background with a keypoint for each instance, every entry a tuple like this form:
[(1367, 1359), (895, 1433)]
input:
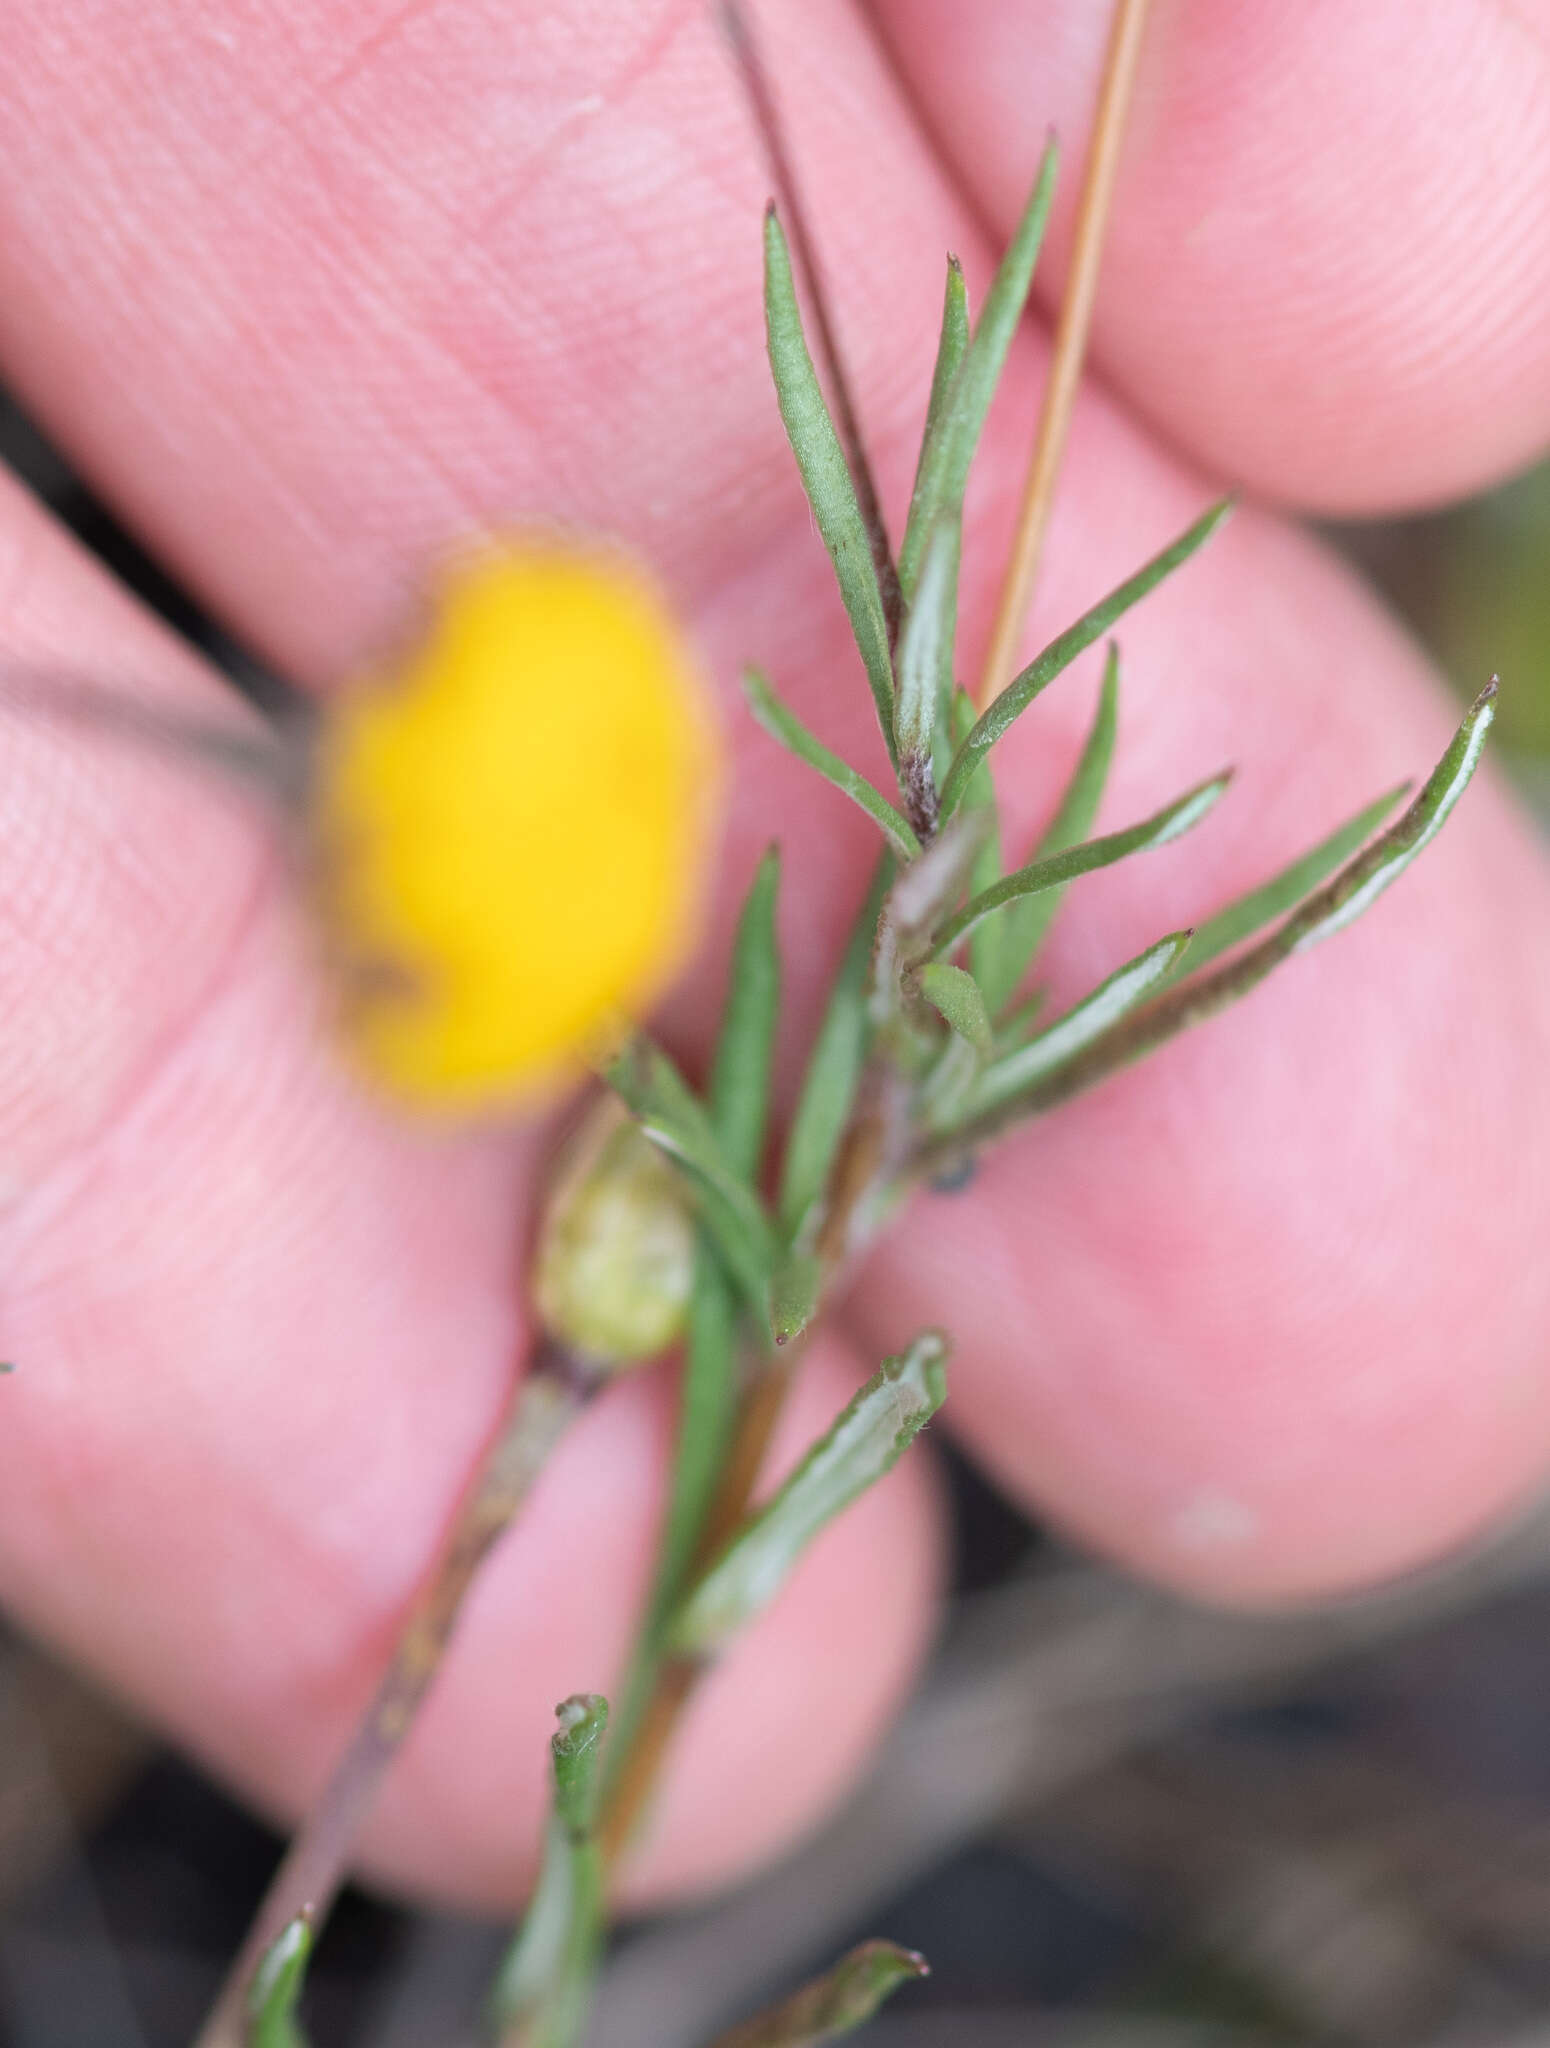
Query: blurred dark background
[(1109, 1820)]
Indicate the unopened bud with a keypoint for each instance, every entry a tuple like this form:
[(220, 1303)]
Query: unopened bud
[(615, 1259)]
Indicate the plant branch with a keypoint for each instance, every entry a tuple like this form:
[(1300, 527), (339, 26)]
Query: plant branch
[(551, 1395), (1065, 368)]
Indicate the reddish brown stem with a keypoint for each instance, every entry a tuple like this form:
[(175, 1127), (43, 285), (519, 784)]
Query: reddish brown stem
[(551, 1395)]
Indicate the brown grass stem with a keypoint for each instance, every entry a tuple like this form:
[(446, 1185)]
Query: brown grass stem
[(552, 1393), (1070, 349)]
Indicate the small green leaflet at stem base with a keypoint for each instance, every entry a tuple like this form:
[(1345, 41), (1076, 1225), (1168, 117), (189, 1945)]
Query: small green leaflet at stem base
[(833, 1072), (1061, 652), (276, 1988), (1024, 924), (784, 725), (861, 1446), (826, 476), (956, 998), (836, 2003), (1171, 822), (953, 436), (543, 1988)]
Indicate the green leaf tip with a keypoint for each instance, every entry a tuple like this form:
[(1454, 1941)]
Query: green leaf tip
[(575, 1748), (844, 1998), (783, 724), (277, 1986), (1371, 874), (865, 1441), (826, 477), (1063, 650), (953, 434)]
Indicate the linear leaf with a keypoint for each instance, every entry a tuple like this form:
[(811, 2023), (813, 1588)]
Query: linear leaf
[(1328, 910), (861, 1446), (949, 446), (956, 997), (784, 725), (544, 1984), (833, 1070), (1061, 652), (826, 476), (740, 1075), (1027, 921), (836, 2003), (648, 1083), (951, 345), (1250, 913), (276, 1988), (926, 669), (1058, 869), (1083, 1024)]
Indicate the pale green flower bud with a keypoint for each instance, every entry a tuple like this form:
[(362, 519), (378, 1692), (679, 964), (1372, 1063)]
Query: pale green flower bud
[(615, 1258)]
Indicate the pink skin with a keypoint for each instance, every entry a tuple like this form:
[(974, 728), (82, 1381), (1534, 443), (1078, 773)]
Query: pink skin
[(311, 296)]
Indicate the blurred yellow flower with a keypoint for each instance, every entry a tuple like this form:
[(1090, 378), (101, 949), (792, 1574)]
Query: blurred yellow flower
[(511, 829)]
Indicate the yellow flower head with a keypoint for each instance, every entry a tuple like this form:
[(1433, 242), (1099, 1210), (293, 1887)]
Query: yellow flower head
[(511, 829)]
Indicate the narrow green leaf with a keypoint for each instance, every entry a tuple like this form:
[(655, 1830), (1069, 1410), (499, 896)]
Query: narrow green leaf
[(1171, 822), (785, 726), (276, 1988), (544, 1985), (836, 2003), (794, 1294), (956, 997), (950, 443), (826, 476), (740, 1075), (1060, 653), (926, 661), (833, 1071), (1360, 884), (648, 1083), (951, 345), (863, 1444), (1250, 913), (1328, 910), (1026, 922), (1083, 1024)]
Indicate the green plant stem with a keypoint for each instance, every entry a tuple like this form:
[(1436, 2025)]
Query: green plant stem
[(871, 1158), (552, 1393)]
